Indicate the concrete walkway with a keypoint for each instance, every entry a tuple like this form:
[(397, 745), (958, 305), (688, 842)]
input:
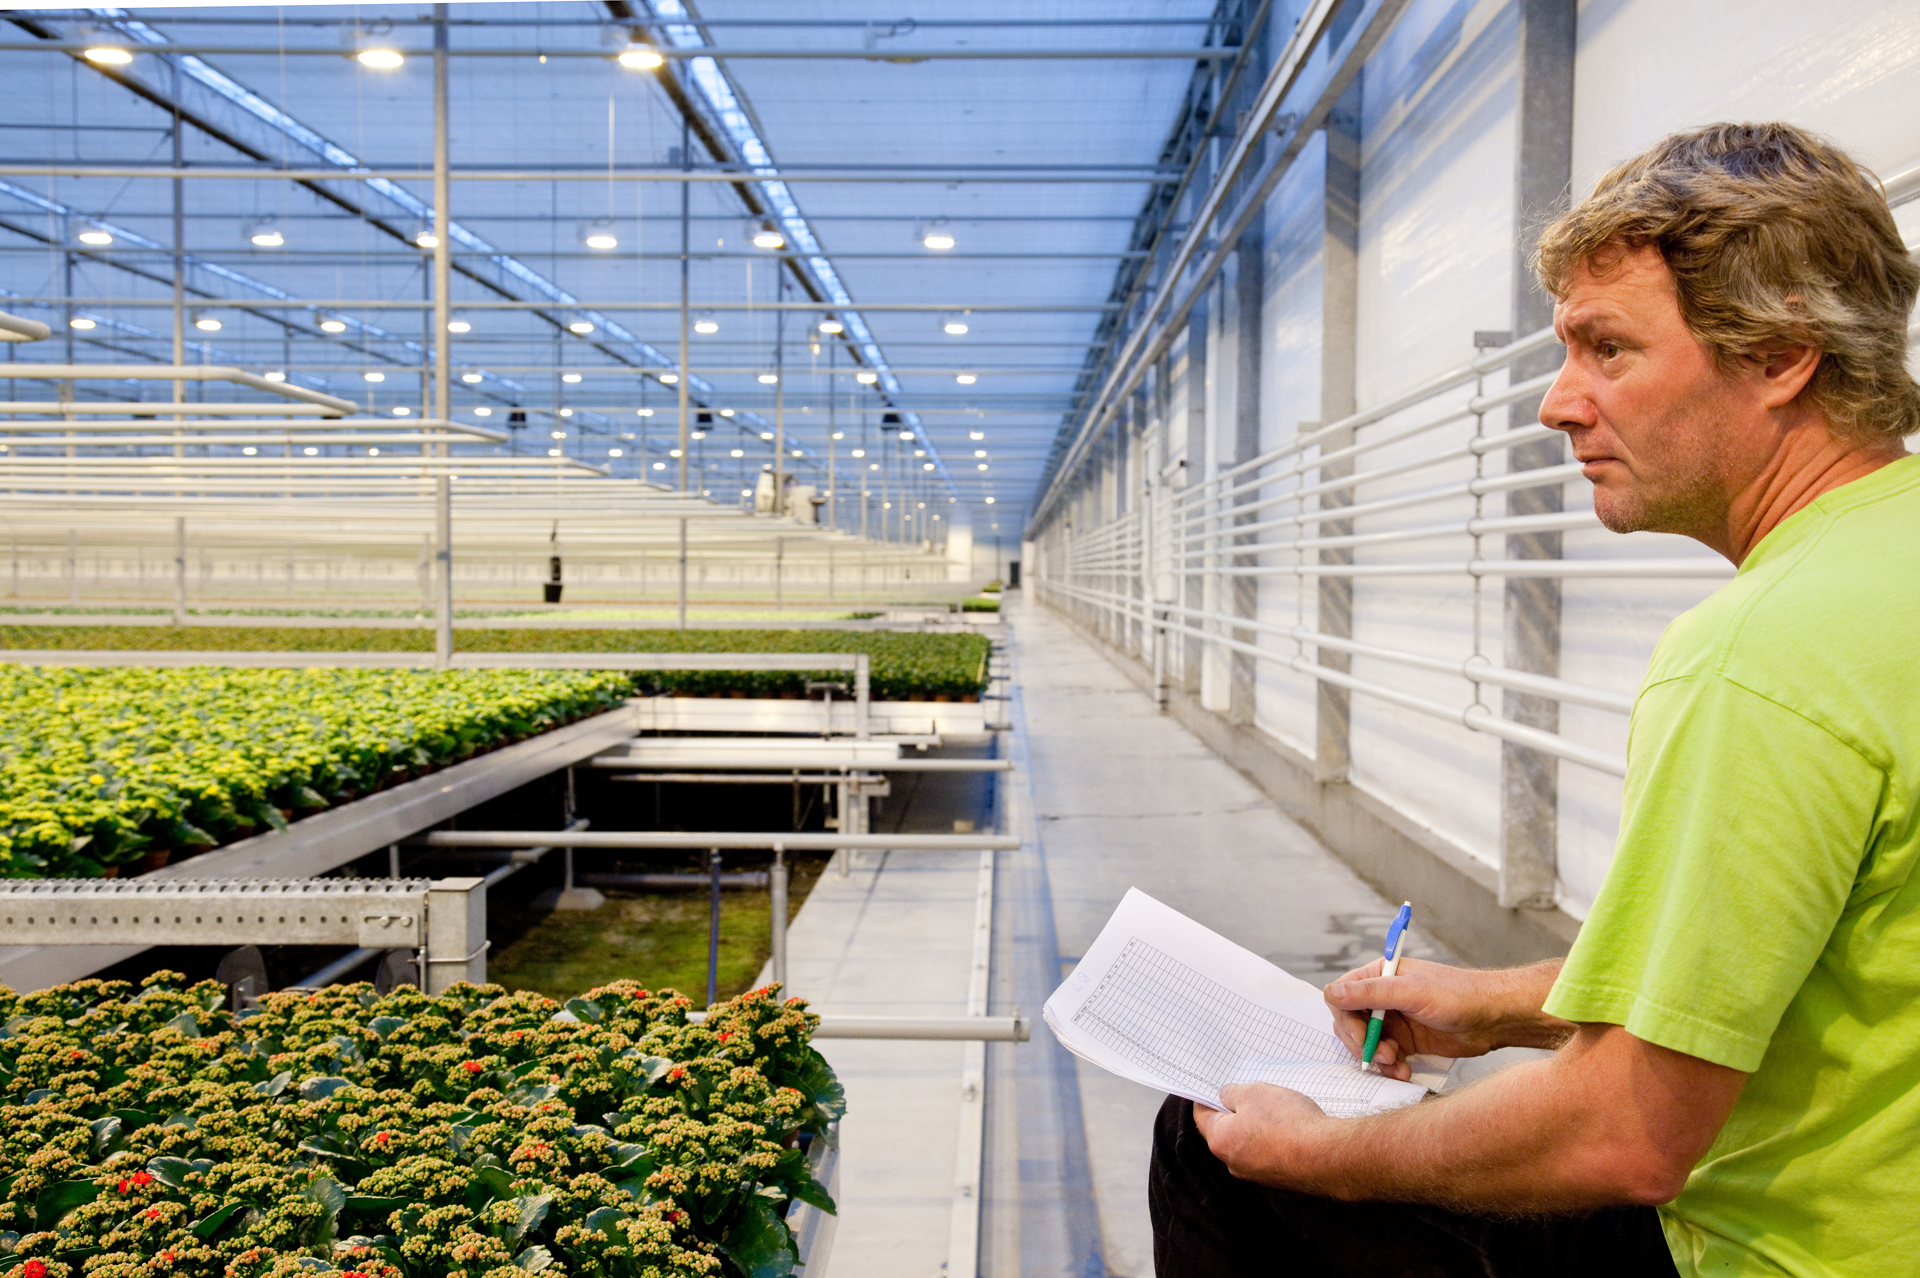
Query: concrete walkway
[(1125, 797), (1107, 794)]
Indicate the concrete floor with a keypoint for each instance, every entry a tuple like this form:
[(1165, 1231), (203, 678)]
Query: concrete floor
[(1109, 794)]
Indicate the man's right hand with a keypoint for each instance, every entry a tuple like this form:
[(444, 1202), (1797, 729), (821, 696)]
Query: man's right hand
[(1437, 1010)]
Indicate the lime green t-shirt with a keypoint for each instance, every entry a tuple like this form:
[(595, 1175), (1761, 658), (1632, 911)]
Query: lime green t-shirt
[(1762, 910)]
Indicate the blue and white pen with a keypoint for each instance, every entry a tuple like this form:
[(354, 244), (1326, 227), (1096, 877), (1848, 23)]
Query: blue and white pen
[(1396, 936)]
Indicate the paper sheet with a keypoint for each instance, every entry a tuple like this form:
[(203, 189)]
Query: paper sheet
[(1165, 1002)]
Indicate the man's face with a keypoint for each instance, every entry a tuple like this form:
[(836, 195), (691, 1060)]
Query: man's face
[(1663, 435)]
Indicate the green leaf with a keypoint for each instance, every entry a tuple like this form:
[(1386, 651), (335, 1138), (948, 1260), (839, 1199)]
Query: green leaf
[(385, 1025), (586, 1010), (822, 1087), (171, 1172), (651, 1069), (533, 1210), (760, 1242), (106, 1136), (635, 1159), (812, 1192), (132, 1120), (185, 1023), (55, 1201), (534, 1259), (381, 1207), (209, 1225), (605, 1221), (275, 1085), (320, 1088)]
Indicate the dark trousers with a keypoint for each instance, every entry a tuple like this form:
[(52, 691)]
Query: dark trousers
[(1207, 1224)]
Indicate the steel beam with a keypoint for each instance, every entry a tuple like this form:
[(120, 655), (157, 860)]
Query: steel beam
[(645, 840)]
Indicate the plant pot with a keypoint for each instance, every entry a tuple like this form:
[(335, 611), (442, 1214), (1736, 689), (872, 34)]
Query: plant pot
[(154, 860)]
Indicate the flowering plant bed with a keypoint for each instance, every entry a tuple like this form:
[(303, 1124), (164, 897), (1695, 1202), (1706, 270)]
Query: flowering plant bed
[(105, 767), (478, 1134), (906, 666)]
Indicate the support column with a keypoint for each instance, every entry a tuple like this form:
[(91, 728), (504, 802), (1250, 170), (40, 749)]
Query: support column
[(1339, 320), (1243, 596), (442, 314), (456, 947), (1543, 169), (179, 570)]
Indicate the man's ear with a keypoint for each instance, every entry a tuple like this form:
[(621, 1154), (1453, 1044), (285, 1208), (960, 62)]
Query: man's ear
[(1785, 372)]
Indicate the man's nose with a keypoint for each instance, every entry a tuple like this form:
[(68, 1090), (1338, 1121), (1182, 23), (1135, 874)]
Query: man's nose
[(1566, 405)]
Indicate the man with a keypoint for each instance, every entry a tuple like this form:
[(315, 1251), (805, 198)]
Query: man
[(1736, 1089)]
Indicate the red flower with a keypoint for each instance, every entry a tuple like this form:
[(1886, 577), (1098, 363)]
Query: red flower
[(124, 1184), (167, 1256), (672, 1216), (725, 1035), (381, 1138), (34, 1269), (143, 1178), (78, 1054), (152, 1213), (473, 1067), (676, 1072)]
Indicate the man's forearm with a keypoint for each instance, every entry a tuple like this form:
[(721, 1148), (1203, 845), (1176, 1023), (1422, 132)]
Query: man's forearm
[(1608, 1120), (1525, 994)]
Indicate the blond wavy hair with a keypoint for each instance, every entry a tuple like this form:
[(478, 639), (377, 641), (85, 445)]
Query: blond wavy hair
[(1775, 238)]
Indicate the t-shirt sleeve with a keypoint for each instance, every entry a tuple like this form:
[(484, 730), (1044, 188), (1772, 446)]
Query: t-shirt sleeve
[(1741, 838)]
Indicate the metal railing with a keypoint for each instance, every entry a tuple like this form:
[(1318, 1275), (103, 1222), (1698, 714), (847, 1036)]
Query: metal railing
[(1164, 570)]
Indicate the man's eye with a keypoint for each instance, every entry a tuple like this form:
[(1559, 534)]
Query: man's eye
[(1607, 350)]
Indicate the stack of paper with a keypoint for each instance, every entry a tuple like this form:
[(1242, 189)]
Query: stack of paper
[(1164, 1001)]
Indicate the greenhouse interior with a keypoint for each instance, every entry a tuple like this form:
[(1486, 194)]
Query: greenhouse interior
[(747, 639)]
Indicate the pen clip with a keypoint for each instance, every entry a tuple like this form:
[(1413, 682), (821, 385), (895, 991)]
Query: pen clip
[(1401, 920)]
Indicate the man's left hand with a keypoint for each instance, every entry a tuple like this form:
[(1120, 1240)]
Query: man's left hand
[(1266, 1135)]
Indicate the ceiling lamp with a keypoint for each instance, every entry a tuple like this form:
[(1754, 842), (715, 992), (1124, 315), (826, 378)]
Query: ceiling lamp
[(643, 412), (726, 412), (831, 325), (859, 452), (907, 435), (424, 237), (375, 377), (206, 323), (81, 322), (981, 466), (458, 325), (401, 410), (571, 379), (935, 235), (769, 379), (613, 452), (927, 466), (473, 379), (331, 325), (582, 327), (598, 234), (265, 233), (766, 434), (311, 452), (669, 379), (381, 57), (989, 501), (566, 412), (866, 379), (706, 324), (954, 325), (108, 55), (767, 236), (274, 375), (976, 434), (96, 235), (483, 412), (979, 452), (966, 379), (640, 57), (249, 450), (736, 452)]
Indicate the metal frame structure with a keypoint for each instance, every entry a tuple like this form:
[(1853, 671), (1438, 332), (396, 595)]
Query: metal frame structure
[(443, 921)]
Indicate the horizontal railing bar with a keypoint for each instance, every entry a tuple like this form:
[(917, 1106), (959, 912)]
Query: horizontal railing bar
[(743, 761), (1479, 446), (1567, 568), (642, 839), (992, 1029), (1475, 717)]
